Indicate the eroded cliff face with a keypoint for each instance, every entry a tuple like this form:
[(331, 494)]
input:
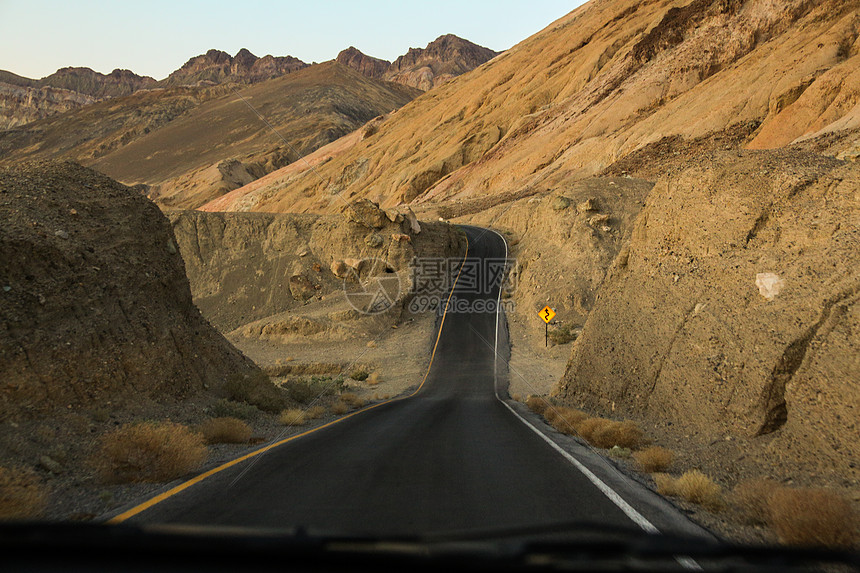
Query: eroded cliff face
[(732, 313), (95, 306), (20, 105)]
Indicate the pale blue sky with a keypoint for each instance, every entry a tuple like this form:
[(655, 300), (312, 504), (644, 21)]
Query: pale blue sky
[(156, 37)]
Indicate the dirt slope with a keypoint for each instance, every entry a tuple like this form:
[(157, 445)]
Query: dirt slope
[(686, 331), (94, 301), (602, 82)]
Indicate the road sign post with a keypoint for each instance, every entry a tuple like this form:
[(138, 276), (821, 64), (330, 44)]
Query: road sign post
[(546, 314)]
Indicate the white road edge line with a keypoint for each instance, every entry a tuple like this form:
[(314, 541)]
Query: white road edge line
[(614, 497)]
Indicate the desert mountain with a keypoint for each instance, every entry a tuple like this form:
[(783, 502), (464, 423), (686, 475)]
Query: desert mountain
[(192, 144), (444, 58), (23, 100), (217, 67), (605, 81), (677, 179)]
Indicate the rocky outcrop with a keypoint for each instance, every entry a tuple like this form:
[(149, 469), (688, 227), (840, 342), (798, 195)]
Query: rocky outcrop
[(733, 312), (423, 68), (216, 67), (94, 300), (444, 58), (92, 83), (363, 64), (20, 105)]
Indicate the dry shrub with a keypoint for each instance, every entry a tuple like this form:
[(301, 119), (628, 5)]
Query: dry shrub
[(516, 397), (813, 517), (149, 452), (339, 408), (696, 487), (666, 484), (225, 431), (373, 379), (256, 389), (537, 404), (292, 417), (352, 400), (590, 426), (565, 420), (653, 459), (622, 434), (22, 494), (315, 412), (751, 498)]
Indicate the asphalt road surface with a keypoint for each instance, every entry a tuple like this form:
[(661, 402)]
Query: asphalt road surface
[(452, 457)]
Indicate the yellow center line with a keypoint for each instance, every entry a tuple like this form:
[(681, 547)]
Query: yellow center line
[(195, 480)]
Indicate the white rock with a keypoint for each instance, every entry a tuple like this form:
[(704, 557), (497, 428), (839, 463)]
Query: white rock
[(769, 285)]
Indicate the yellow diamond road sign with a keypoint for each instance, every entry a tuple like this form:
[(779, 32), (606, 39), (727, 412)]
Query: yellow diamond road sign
[(547, 314)]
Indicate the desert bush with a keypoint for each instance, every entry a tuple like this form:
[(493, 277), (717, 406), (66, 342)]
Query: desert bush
[(537, 404), (256, 389), (562, 335), (516, 397), (751, 498), (22, 494), (653, 459), (565, 420), (315, 412), (149, 452), (666, 484), (224, 408), (225, 431), (339, 408), (590, 426), (359, 375), (352, 399), (813, 517), (373, 379), (696, 487), (292, 417), (622, 434)]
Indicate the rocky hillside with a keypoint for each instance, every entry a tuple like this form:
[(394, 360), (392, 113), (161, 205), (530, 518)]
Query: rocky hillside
[(424, 68), (86, 81), (223, 144), (22, 104), (164, 138), (95, 303), (605, 81), (732, 314), (217, 67)]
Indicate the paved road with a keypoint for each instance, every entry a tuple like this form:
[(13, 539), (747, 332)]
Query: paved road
[(452, 457)]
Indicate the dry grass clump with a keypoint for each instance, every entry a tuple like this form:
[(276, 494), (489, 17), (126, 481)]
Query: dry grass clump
[(590, 426), (693, 486), (225, 431), (813, 517), (315, 412), (751, 498), (666, 484), (696, 487), (373, 379), (565, 420), (653, 459), (339, 408), (22, 494), (538, 404), (516, 397), (624, 434), (149, 452), (352, 400), (293, 417)]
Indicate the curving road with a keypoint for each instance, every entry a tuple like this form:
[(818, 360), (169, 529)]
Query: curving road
[(452, 457)]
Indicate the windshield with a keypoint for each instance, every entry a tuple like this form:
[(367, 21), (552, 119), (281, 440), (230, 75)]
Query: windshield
[(565, 273)]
